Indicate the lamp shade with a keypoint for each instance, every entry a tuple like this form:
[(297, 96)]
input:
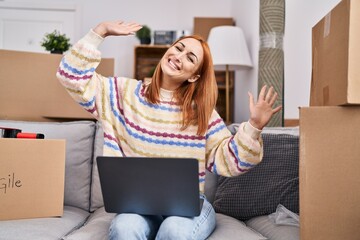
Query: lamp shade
[(228, 47)]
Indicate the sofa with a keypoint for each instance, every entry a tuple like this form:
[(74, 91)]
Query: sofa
[(260, 204)]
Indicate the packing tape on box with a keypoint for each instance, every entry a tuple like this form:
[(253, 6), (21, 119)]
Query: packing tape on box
[(327, 25), (271, 40), (9, 132), (16, 133)]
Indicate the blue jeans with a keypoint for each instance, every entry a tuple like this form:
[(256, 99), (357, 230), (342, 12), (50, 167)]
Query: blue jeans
[(128, 226)]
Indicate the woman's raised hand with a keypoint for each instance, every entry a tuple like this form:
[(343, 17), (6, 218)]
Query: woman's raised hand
[(116, 28), (262, 111)]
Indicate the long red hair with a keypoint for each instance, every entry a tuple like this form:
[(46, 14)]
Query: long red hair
[(197, 100)]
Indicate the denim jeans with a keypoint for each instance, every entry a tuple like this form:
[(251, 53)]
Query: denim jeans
[(128, 226)]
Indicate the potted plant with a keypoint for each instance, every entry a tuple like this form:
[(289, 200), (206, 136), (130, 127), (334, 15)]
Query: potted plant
[(144, 35), (56, 42)]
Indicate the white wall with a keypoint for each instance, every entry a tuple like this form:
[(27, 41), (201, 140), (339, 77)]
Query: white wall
[(246, 15)]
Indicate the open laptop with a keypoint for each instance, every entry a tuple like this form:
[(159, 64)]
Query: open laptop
[(150, 186)]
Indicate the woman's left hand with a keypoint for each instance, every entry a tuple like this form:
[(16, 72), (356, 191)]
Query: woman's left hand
[(262, 111), (116, 28)]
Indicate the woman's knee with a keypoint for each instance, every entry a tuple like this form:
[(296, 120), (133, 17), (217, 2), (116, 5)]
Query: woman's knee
[(175, 228), (129, 226), (182, 228)]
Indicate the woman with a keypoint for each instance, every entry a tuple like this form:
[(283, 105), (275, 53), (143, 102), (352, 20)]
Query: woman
[(171, 116)]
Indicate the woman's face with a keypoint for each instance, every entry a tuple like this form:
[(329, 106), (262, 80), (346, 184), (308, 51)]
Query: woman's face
[(180, 63)]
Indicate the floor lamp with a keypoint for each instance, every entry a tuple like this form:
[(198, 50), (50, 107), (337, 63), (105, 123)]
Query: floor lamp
[(229, 52)]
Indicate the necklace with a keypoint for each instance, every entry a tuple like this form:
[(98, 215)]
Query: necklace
[(166, 95)]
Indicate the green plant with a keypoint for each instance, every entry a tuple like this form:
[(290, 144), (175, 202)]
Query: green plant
[(144, 35), (144, 32), (56, 42)]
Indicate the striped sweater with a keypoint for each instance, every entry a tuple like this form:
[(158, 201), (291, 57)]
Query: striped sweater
[(134, 127)]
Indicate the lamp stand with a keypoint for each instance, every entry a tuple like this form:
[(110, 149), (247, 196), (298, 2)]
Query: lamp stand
[(227, 95)]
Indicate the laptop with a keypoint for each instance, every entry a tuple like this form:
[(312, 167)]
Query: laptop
[(150, 186)]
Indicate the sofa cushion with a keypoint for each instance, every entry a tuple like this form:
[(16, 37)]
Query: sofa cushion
[(96, 199), (79, 138), (210, 186), (231, 228), (272, 231), (97, 227), (44, 228), (274, 181)]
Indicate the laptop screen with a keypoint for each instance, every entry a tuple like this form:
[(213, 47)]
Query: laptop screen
[(154, 186)]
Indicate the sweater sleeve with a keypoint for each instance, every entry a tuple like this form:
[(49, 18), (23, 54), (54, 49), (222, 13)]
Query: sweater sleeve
[(77, 73), (231, 155)]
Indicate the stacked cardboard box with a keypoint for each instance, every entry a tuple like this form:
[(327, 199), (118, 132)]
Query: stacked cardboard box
[(32, 176), (329, 138), (30, 91), (329, 173), (336, 57)]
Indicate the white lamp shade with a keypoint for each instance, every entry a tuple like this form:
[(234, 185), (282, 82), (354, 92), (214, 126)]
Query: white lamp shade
[(228, 47)]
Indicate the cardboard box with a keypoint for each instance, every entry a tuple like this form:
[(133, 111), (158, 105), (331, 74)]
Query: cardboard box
[(32, 176), (336, 57), (29, 89), (203, 25), (329, 173)]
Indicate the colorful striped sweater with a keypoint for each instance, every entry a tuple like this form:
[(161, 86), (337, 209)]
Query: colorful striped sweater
[(134, 127)]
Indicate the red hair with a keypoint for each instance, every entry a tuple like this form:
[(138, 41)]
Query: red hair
[(197, 100)]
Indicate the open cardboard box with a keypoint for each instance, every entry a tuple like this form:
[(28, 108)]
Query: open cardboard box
[(32, 176)]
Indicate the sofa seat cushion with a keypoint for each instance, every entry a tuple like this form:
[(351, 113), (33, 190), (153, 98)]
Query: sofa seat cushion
[(265, 226), (97, 227), (44, 228), (79, 136), (231, 228)]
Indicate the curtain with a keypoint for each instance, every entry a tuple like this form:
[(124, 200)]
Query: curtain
[(271, 54)]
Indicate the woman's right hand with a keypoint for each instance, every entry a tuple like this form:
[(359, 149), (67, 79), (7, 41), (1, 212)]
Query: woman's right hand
[(116, 28)]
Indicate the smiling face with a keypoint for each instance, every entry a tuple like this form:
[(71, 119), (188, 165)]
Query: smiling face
[(181, 62)]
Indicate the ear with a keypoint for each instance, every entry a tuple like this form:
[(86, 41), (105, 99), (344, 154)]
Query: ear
[(193, 78)]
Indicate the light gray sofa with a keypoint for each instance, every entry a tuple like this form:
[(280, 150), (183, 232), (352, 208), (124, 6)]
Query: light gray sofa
[(85, 218)]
